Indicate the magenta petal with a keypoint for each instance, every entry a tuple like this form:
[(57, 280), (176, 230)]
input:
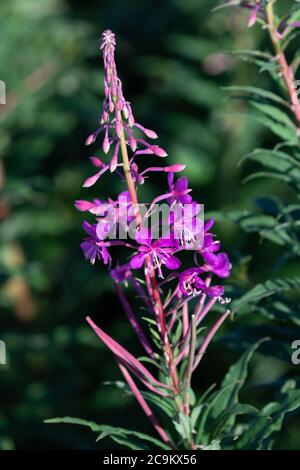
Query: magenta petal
[(215, 291), (219, 264), (89, 228), (143, 237), (105, 255), (172, 262), (100, 209), (102, 229), (137, 261), (209, 225), (181, 184), (83, 205), (170, 178), (210, 258), (185, 199)]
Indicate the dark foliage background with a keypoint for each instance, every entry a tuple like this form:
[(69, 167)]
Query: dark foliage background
[(173, 57)]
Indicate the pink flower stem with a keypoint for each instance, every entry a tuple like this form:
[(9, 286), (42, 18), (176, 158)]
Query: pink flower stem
[(140, 291), (205, 310), (185, 319), (208, 338), (133, 321), (150, 276), (144, 404), (189, 368), (185, 347), (174, 293), (202, 299)]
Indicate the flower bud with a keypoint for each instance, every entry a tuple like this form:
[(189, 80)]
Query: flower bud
[(174, 168), (125, 112), (119, 128), (132, 143), (97, 162), (104, 116), (106, 145), (149, 133), (111, 107), (113, 163), (119, 105), (131, 120), (158, 151), (91, 139)]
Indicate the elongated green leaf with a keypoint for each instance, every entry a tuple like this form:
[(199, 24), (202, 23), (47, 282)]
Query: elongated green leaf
[(165, 404), (112, 432), (183, 426), (285, 132), (284, 166), (228, 415), (225, 397), (275, 114)]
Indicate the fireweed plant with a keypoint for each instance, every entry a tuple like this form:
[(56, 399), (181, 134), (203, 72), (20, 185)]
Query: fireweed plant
[(177, 300), (167, 297)]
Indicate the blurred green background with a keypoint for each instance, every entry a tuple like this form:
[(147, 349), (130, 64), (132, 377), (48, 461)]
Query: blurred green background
[(174, 58)]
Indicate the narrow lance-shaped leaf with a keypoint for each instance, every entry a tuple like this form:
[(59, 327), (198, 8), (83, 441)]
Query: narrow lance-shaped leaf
[(136, 366)]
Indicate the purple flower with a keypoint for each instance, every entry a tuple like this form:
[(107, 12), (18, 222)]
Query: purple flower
[(92, 247), (218, 264), (179, 190), (190, 283), (159, 251), (187, 227), (121, 273), (210, 245), (113, 214)]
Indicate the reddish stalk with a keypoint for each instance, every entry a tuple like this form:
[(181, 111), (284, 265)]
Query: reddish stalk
[(209, 337), (285, 69), (144, 404), (133, 321), (150, 276)]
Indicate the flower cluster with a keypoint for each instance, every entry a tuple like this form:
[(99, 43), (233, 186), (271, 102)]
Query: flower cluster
[(117, 119), (161, 249)]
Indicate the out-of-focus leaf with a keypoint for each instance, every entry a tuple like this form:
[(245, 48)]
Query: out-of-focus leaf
[(260, 433), (265, 290)]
